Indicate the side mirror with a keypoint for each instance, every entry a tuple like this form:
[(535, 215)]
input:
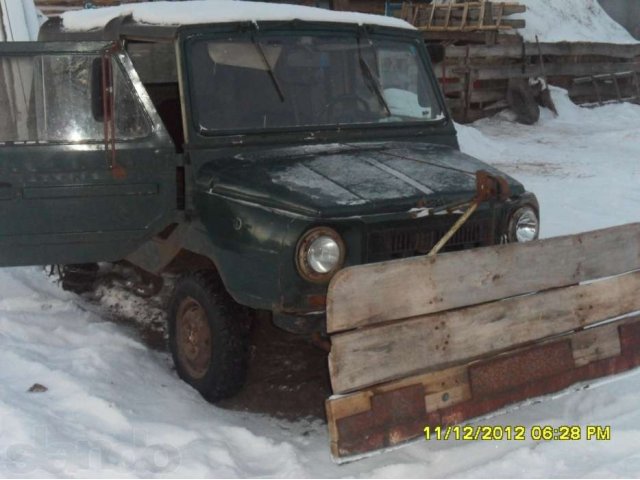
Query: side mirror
[(436, 52)]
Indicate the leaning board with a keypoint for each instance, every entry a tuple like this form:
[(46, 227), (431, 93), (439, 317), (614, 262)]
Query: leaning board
[(437, 340)]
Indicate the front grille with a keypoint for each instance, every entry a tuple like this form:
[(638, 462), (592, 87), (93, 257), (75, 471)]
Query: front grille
[(420, 236)]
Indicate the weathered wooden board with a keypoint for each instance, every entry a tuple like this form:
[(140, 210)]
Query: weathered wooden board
[(550, 49), (473, 10), (395, 412), (369, 356), (426, 16), (377, 293), (472, 26), (489, 72)]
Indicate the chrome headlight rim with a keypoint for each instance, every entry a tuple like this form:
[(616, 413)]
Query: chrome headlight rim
[(523, 215), (302, 254)]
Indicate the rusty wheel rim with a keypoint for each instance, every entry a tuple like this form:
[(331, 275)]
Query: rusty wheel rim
[(193, 337)]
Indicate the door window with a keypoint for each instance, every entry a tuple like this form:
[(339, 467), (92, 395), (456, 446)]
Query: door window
[(48, 98)]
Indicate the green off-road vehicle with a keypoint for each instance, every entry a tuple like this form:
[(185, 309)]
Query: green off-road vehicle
[(251, 157)]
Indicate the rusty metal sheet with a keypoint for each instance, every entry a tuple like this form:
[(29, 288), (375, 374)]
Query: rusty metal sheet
[(397, 412)]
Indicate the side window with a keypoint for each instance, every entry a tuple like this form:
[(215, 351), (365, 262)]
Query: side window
[(49, 99), (17, 103), (65, 99), (131, 119)]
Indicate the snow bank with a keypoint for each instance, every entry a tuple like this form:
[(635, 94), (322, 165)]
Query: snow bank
[(218, 11), (582, 165), (570, 21), (20, 20), (114, 408)]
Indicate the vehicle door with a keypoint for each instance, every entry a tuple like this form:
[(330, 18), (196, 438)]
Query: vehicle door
[(87, 170)]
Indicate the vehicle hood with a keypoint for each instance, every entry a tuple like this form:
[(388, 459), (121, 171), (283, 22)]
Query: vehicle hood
[(348, 179)]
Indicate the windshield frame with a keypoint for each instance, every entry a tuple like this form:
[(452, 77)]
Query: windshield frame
[(193, 34)]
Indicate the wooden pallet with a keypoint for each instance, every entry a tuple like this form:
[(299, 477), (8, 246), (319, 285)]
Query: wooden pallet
[(436, 341), (462, 17), (597, 90)]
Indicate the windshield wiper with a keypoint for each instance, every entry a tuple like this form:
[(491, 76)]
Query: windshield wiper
[(270, 71), (372, 80)]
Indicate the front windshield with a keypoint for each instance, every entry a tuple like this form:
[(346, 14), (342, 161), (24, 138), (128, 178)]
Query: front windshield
[(285, 81)]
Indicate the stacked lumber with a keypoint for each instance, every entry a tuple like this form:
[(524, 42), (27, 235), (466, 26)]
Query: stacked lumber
[(434, 341), (475, 78), (463, 16)]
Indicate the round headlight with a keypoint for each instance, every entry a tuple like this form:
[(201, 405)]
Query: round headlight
[(323, 254), (524, 225), (320, 254)]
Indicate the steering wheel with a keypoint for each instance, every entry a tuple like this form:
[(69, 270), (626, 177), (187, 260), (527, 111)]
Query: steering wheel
[(352, 108)]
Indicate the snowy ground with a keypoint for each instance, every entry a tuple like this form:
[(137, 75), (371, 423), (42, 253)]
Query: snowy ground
[(115, 407)]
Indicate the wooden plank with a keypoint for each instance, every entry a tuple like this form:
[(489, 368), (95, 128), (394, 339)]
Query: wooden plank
[(467, 17), (437, 340), (449, 396), (344, 407), (485, 72), (483, 96), (445, 387), (454, 395), (505, 26), (550, 49), (596, 344), (604, 89), (380, 292), (473, 10), (489, 37)]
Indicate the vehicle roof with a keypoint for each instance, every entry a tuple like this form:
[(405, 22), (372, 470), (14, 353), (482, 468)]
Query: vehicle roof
[(196, 12)]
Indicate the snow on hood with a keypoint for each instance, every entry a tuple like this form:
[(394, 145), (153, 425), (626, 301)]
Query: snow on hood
[(570, 21), (217, 11)]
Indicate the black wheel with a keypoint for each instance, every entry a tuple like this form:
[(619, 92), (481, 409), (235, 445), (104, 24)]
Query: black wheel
[(208, 336), (79, 278)]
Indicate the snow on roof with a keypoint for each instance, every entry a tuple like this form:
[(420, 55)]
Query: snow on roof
[(570, 21), (217, 11)]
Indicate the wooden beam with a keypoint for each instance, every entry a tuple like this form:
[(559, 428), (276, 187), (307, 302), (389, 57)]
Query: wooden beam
[(489, 37), (395, 412), (380, 292), (606, 90), (441, 339), (505, 25), (551, 49), (490, 72)]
